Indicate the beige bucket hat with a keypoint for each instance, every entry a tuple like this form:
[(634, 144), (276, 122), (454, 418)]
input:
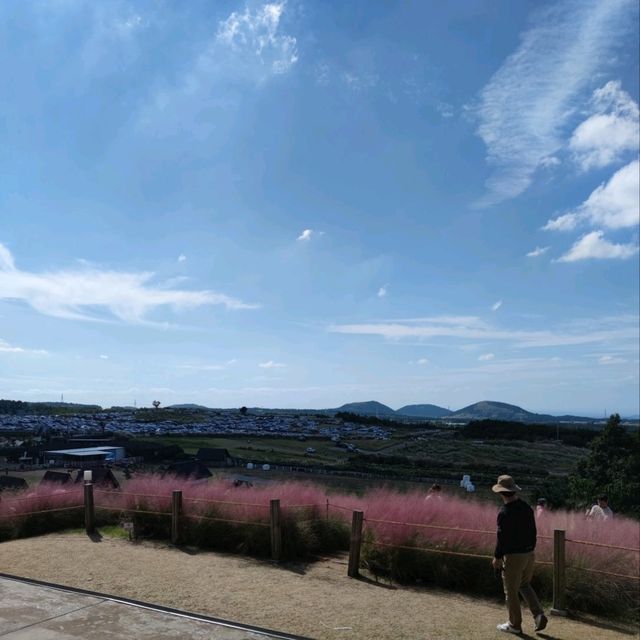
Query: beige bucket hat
[(505, 483)]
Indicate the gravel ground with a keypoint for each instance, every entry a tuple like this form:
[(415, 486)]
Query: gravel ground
[(316, 600)]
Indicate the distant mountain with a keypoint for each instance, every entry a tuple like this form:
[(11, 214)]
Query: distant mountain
[(424, 411), (489, 410), (371, 408)]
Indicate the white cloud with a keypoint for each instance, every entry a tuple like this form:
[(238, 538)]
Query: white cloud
[(525, 105), (208, 367), (182, 258), (607, 360), (256, 34), (104, 357), (445, 109), (5, 347), (615, 204), (248, 49), (565, 222), (422, 361), (496, 305), (362, 81), (270, 364), (594, 246), (382, 291), (538, 251), (6, 259), (622, 329), (549, 162), (486, 356), (307, 234), (86, 292), (610, 132)]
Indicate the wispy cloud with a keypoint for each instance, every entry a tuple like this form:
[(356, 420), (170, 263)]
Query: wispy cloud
[(594, 246), (308, 234), (615, 204), (538, 251), (5, 347), (528, 101), (609, 360), (248, 48), (104, 356), (270, 364), (610, 132), (182, 258), (207, 366), (486, 356), (496, 305), (257, 34), (361, 81), (382, 292), (86, 292), (592, 331)]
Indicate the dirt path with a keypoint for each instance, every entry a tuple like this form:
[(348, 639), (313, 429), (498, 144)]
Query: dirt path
[(317, 600)]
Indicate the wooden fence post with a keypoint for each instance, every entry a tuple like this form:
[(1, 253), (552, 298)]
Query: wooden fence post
[(559, 577), (275, 530), (327, 509), (89, 511), (355, 544), (176, 510)]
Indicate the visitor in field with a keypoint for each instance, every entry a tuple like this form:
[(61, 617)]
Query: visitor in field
[(514, 555), (601, 510), (435, 493), (541, 507)]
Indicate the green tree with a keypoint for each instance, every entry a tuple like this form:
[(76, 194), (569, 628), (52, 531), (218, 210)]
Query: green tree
[(612, 467)]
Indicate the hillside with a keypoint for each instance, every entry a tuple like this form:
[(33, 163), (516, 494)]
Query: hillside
[(424, 411), (491, 410), (370, 408)]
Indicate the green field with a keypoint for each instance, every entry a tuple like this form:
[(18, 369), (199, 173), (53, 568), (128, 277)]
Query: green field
[(539, 456), (267, 449)]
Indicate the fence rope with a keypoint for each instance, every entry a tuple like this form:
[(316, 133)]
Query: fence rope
[(138, 495), (443, 551), (606, 546), (300, 506), (337, 506), (26, 514), (430, 526), (257, 524), (42, 497), (443, 527), (151, 513), (237, 504), (606, 573)]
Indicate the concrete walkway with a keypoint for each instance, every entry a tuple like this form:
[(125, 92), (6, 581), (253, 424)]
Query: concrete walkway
[(34, 612)]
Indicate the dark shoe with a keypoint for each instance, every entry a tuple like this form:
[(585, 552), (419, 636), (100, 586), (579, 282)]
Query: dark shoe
[(541, 621)]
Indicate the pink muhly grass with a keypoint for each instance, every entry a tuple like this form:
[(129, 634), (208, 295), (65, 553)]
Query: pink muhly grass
[(390, 517), (42, 498)]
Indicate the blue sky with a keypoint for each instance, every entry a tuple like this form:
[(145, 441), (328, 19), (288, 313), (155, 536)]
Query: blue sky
[(303, 204)]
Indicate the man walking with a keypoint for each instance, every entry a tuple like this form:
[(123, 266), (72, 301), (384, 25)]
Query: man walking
[(514, 554)]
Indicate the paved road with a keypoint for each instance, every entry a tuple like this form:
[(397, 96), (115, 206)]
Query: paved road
[(33, 612)]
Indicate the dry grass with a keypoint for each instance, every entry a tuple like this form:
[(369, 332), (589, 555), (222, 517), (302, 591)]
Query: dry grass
[(316, 600)]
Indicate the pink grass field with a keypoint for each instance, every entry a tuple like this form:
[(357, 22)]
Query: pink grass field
[(390, 517)]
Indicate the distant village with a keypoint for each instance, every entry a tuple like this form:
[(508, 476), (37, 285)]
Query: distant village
[(40, 438)]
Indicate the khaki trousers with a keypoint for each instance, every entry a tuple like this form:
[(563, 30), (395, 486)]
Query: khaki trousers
[(516, 579)]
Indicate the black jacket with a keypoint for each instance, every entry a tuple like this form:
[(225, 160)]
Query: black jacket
[(516, 529)]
